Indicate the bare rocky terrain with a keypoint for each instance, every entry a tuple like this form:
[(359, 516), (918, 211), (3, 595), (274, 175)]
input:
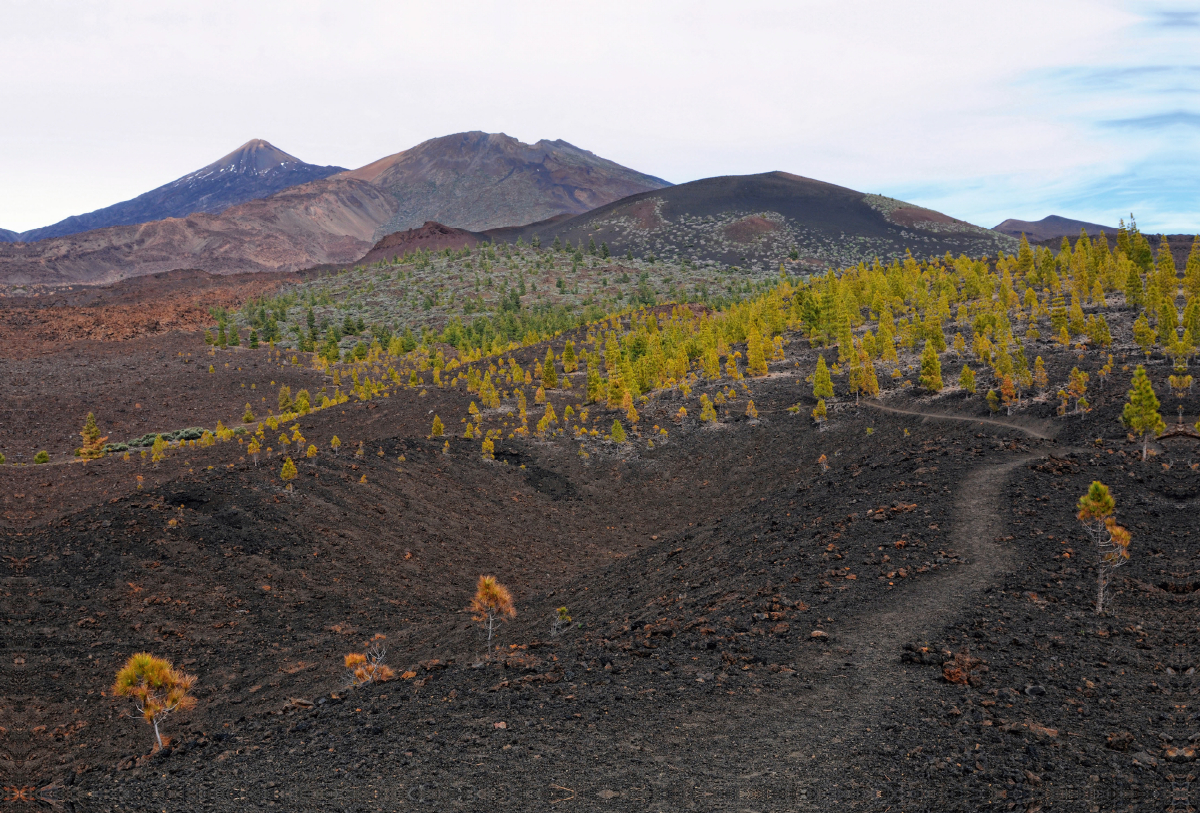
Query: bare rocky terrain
[(750, 629)]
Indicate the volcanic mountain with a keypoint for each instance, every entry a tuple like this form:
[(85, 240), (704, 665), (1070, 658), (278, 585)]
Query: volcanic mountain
[(327, 221), (254, 170), (470, 180), (9, 236), (478, 181), (1050, 228), (750, 220)]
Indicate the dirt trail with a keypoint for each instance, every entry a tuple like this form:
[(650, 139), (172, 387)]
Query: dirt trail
[(1037, 429), (860, 684)]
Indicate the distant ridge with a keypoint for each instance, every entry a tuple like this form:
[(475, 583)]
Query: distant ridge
[(254, 170), (7, 236), (748, 220), (1050, 228), (468, 181)]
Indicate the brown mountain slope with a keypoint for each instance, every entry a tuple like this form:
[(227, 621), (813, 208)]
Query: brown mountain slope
[(432, 236), (470, 181), (1051, 228), (479, 181), (327, 221)]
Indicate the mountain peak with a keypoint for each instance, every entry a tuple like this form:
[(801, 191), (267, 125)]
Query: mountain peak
[(256, 155), (1051, 228), (458, 179), (254, 170)]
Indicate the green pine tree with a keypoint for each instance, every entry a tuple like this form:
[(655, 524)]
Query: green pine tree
[(1141, 411), (931, 368), (966, 379), (822, 383), (549, 373)]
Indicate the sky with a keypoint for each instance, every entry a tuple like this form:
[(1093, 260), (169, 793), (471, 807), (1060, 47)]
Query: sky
[(982, 110)]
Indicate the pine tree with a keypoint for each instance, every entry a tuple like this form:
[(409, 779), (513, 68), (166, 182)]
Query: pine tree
[(618, 432), (288, 472), (966, 379), (822, 383), (93, 443), (1141, 411), (248, 415), (1144, 335), (1191, 271), (708, 413), (569, 362), (595, 384), (157, 689), (1041, 381), (492, 603), (438, 428), (819, 412), (253, 339), (159, 450), (756, 361), (254, 448), (335, 444), (931, 369), (1135, 296), (549, 373)]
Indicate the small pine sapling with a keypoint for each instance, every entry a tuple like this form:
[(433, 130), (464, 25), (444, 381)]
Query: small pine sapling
[(559, 622), (823, 463), (248, 415), (819, 413), (288, 472), (1077, 388), (368, 666), (312, 452), (708, 412), (618, 432), (492, 603), (254, 449), (41, 457), (159, 450), (157, 689), (993, 401), (1096, 510), (335, 444), (751, 410), (93, 443)]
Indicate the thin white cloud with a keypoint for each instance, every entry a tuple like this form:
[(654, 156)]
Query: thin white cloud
[(963, 106)]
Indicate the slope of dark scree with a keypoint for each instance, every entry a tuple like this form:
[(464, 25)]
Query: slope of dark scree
[(746, 626)]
